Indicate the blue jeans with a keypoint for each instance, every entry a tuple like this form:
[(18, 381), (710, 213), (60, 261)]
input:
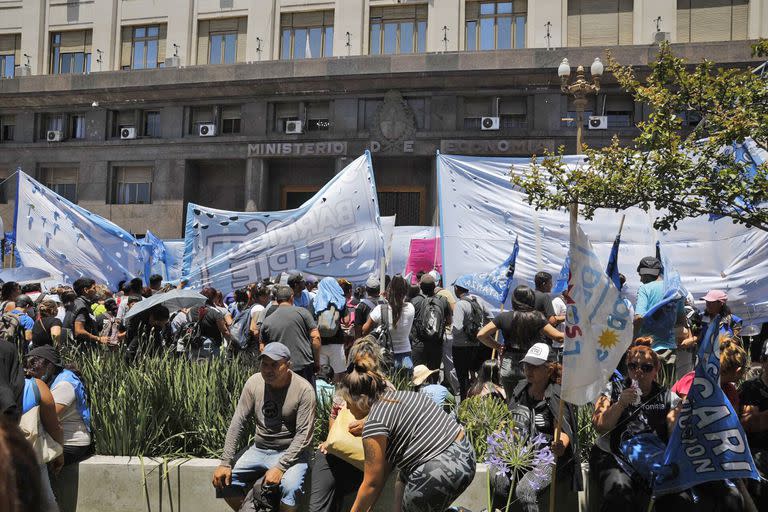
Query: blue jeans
[(404, 362), (255, 461)]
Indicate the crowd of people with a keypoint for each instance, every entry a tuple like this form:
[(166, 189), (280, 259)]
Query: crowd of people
[(328, 340)]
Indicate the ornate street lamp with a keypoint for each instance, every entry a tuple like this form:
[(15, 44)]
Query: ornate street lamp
[(579, 89)]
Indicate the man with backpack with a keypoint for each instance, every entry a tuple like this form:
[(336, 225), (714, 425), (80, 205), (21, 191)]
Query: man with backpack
[(329, 307), (433, 313), (469, 315), (294, 327), (367, 304)]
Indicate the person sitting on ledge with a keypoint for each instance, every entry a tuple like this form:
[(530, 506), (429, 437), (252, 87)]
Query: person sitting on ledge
[(283, 405)]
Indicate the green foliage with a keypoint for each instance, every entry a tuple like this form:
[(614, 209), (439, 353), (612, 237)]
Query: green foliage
[(585, 430), (481, 417), (161, 406), (679, 171)]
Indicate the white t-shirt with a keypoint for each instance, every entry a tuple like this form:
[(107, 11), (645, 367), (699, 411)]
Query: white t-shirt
[(400, 332), (256, 311), (558, 304), (72, 424)]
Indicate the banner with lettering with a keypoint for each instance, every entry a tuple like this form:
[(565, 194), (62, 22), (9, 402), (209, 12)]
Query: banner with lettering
[(481, 213), (598, 326), (68, 241), (708, 442), (401, 245), (336, 233)]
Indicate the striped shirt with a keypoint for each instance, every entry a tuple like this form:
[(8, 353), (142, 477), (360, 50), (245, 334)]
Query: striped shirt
[(416, 428)]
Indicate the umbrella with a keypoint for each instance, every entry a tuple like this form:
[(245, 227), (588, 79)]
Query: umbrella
[(174, 300)]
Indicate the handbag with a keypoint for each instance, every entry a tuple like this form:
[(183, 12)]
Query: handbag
[(342, 444), (46, 449)]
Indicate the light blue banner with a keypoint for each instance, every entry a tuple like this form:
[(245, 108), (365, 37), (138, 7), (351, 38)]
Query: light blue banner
[(336, 233), (57, 236), (708, 442), (492, 286)]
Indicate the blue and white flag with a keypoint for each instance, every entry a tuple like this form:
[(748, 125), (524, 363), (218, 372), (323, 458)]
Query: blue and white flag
[(336, 233), (492, 286), (158, 256), (598, 326), (708, 442), (68, 241), (561, 283), (612, 270)]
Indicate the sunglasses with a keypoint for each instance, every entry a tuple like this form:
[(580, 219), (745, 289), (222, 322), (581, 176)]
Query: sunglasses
[(646, 367)]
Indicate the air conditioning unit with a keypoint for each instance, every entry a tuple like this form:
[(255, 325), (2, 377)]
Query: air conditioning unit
[(293, 127), (598, 122), (54, 136), (128, 133), (206, 130), (489, 123)]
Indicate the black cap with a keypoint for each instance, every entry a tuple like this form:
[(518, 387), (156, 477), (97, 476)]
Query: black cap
[(649, 266), (294, 278), (46, 352)]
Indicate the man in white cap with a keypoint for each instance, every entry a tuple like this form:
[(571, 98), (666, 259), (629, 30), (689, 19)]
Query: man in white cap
[(283, 405)]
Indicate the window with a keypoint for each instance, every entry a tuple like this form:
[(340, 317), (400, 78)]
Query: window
[(71, 52), (599, 22), (201, 115), (143, 47), (52, 122), (62, 180), (133, 185), (151, 123), (398, 30), (712, 20), (317, 116), (230, 119), (306, 35), (10, 54), (77, 126), (496, 25), (221, 41), (512, 111), (620, 110), (405, 202), (314, 115), (122, 119), (7, 125)]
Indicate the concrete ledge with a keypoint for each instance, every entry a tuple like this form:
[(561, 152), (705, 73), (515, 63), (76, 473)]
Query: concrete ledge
[(133, 484)]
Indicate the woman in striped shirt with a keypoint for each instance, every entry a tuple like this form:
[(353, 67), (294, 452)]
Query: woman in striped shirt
[(407, 431)]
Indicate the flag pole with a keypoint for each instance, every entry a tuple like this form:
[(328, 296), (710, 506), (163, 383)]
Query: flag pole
[(574, 209)]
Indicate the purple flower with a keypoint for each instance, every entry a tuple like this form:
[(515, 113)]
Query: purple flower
[(539, 439)]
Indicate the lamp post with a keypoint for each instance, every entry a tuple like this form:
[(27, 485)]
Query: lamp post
[(579, 89)]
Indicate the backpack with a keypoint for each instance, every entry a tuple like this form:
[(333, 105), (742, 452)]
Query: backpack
[(191, 336), (241, 328), (384, 339), (474, 323), (10, 325), (328, 321), (430, 321)]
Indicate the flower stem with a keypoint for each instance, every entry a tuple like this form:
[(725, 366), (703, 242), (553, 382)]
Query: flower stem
[(511, 491)]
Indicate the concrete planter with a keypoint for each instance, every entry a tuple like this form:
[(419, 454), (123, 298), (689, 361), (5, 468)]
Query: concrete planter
[(132, 484)]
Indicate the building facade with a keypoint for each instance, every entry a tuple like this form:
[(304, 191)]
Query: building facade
[(134, 108)]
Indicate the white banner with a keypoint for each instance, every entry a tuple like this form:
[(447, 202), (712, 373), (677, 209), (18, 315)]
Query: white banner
[(336, 233), (68, 241), (481, 214)]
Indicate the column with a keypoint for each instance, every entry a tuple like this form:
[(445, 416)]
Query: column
[(34, 34), (105, 37), (256, 185), (443, 14), (181, 30), (539, 13), (263, 23), (643, 20), (350, 16)]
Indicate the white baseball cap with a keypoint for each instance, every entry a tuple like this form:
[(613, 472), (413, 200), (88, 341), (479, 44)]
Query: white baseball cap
[(537, 355)]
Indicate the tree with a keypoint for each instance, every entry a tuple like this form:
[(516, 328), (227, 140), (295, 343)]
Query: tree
[(680, 172)]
